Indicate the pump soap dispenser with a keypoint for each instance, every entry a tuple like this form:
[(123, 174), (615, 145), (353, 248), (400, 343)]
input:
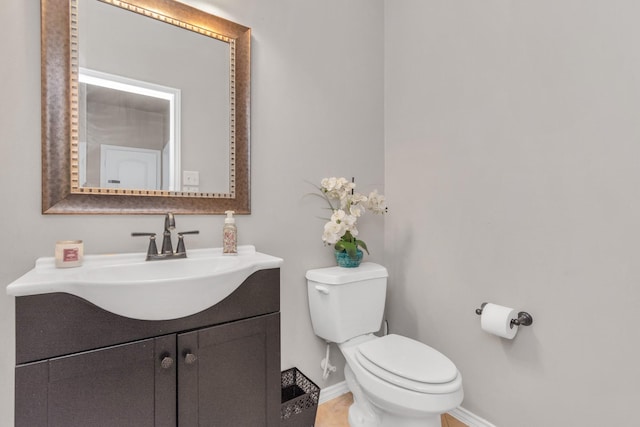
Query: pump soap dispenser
[(229, 235)]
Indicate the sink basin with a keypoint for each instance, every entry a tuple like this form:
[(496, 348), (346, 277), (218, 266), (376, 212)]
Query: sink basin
[(127, 285)]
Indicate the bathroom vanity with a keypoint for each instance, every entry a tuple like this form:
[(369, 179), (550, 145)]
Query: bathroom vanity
[(81, 365)]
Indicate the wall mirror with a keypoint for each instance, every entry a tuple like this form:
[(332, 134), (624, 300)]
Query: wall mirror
[(145, 109)]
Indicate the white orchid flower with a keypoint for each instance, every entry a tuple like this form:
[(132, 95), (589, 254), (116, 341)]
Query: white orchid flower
[(347, 207)]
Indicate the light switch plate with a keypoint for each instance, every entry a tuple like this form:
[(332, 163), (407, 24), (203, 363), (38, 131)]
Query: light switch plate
[(190, 178)]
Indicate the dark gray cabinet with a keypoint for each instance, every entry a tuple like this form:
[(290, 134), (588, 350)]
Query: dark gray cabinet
[(220, 367), (122, 385), (233, 387)]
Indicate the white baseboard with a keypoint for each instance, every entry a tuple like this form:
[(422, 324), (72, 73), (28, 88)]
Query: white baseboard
[(467, 417), (331, 392)]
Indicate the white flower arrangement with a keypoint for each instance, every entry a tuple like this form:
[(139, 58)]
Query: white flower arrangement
[(347, 206)]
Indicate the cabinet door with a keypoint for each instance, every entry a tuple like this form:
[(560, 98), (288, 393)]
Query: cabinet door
[(124, 385), (229, 375)]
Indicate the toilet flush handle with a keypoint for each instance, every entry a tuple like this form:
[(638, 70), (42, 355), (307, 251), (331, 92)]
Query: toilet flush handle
[(322, 289)]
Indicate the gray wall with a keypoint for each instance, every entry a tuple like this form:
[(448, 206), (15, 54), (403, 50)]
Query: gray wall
[(512, 146), (317, 111)]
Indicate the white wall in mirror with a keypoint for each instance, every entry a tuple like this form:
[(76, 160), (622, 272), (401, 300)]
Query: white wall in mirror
[(159, 53)]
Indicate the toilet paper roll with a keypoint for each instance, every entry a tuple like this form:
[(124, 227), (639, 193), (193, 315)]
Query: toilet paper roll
[(496, 319)]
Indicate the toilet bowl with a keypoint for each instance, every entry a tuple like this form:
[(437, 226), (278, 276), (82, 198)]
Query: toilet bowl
[(408, 394), (395, 381)]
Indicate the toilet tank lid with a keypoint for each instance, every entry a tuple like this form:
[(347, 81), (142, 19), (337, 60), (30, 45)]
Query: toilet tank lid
[(341, 275)]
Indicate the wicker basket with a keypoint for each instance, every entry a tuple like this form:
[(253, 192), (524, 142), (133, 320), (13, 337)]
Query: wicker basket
[(299, 399)]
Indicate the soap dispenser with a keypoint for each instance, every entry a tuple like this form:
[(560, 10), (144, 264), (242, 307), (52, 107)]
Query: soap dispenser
[(230, 235)]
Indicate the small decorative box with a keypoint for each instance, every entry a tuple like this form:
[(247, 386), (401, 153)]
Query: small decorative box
[(69, 253)]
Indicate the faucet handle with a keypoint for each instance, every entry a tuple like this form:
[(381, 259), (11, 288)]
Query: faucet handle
[(169, 221), (152, 249), (181, 249)]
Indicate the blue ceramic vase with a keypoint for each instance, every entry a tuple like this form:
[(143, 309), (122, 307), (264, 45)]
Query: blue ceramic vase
[(344, 260)]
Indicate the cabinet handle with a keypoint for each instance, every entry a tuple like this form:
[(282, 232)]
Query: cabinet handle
[(166, 362), (190, 358)]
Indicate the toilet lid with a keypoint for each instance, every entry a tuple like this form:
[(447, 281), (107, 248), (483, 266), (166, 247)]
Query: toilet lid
[(412, 360)]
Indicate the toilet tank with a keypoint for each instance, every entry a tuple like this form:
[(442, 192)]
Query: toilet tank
[(346, 302)]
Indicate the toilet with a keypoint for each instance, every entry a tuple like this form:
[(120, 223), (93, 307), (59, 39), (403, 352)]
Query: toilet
[(395, 381)]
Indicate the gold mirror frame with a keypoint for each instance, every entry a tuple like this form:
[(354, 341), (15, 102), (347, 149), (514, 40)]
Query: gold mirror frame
[(59, 112)]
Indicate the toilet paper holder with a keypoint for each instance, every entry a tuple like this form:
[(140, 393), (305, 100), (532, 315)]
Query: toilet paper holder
[(524, 318)]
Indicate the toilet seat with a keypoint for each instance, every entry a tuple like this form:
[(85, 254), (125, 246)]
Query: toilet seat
[(408, 364)]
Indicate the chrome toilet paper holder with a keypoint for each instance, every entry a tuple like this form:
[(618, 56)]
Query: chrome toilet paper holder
[(524, 318)]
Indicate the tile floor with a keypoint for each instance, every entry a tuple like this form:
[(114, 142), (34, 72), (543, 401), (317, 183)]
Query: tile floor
[(334, 414)]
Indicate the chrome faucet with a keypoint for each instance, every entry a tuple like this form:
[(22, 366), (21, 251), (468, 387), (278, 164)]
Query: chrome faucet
[(167, 247)]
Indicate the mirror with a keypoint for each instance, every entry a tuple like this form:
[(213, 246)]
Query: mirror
[(153, 117)]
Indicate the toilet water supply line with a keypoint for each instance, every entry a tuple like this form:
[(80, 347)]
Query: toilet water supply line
[(326, 366)]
